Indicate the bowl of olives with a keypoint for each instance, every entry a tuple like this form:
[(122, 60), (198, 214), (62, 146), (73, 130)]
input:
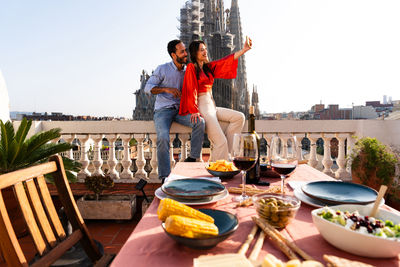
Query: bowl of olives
[(278, 210)]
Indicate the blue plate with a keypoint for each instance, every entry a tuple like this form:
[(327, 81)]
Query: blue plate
[(192, 188), (332, 192), (226, 222)]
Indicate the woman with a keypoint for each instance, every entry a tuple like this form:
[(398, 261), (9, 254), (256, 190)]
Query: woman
[(197, 98)]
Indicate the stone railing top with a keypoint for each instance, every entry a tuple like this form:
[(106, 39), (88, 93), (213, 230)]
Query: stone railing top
[(387, 131)]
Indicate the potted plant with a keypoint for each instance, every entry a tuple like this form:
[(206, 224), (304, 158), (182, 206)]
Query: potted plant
[(101, 206), (373, 163), (18, 152), (393, 194)]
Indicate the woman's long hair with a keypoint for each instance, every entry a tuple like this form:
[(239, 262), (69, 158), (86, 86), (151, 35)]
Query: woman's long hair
[(193, 48)]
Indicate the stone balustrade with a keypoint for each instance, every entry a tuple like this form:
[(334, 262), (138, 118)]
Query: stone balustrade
[(129, 164)]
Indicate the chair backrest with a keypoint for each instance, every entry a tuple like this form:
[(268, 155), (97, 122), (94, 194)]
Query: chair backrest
[(41, 217)]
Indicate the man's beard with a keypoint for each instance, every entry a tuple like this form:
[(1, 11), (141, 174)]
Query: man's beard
[(181, 60)]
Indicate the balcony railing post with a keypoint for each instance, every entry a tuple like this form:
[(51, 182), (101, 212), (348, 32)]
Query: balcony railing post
[(341, 161), (84, 172), (327, 160), (299, 151), (284, 139), (140, 161), (112, 161), (171, 149), (126, 161), (350, 144), (153, 162), (268, 138), (184, 152), (313, 160), (201, 154), (211, 157), (97, 161), (69, 138)]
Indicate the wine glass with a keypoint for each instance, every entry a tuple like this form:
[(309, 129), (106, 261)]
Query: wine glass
[(244, 154), (283, 156)]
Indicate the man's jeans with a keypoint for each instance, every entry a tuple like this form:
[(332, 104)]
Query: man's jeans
[(163, 119)]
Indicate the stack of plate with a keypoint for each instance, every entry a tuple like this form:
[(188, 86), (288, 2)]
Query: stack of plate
[(327, 193), (192, 191)]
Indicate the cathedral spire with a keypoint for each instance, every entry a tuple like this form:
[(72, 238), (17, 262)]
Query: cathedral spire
[(220, 24)]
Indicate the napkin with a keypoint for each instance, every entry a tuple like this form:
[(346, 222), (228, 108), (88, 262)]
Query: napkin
[(172, 177), (297, 184)]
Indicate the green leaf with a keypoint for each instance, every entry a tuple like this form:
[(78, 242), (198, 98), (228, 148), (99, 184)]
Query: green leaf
[(23, 130), (7, 135), (48, 150), (40, 139), (20, 136)]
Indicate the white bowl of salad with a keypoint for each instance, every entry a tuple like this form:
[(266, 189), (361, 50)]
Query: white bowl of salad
[(349, 228)]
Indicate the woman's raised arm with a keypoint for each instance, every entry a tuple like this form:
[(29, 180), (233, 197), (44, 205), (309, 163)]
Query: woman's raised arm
[(247, 46)]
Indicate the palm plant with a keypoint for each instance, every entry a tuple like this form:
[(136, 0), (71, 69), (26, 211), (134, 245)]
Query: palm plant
[(17, 152)]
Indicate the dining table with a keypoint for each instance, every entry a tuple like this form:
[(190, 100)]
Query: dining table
[(149, 245)]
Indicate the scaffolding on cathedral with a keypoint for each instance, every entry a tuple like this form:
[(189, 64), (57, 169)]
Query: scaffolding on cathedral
[(221, 30)]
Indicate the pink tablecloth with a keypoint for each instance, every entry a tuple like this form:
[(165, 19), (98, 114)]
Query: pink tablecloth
[(148, 245)]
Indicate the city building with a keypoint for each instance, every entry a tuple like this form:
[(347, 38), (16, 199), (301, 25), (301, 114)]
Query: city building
[(364, 113), (221, 30), (382, 109), (332, 112), (144, 102), (57, 116)]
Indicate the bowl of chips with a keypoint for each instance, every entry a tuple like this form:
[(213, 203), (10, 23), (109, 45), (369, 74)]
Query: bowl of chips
[(222, 169)]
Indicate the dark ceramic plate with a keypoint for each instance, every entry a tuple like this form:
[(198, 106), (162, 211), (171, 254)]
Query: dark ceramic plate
[(223, 175), (226, 222), (192, 188), (332, 192)]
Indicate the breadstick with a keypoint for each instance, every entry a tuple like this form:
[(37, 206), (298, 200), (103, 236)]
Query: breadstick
[(271, 189), (245, 203), (289, 243), (257, 247), (276, 240), (243, 249), (253, 191)]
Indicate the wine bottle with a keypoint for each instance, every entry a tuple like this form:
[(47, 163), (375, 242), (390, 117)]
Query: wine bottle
[(253, 175)]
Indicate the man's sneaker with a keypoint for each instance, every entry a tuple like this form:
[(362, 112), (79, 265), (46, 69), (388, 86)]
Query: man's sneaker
[(189, 159), (162, 179)]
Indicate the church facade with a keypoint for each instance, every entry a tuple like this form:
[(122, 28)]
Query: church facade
[(221, 30)]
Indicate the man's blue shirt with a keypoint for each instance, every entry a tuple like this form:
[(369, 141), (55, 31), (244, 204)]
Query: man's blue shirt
[(166, 75)]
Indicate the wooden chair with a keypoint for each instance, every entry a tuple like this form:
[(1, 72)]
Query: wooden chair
[(41, 217)]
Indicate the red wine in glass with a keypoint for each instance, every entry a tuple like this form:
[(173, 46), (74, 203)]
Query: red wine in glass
[(283, 168), (244, 163), (244, 155)]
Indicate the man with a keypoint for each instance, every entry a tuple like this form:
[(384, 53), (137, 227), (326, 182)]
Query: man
[(166, 82)]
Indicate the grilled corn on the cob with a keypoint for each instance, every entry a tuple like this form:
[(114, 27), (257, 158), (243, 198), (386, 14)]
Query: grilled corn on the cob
[(169, 207), (189, 227)]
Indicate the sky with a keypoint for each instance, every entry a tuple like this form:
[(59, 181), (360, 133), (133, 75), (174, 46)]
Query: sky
[(86, 57)]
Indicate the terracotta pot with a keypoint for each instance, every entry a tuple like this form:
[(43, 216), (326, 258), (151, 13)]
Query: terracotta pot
[(373, 181), (14, 212)]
